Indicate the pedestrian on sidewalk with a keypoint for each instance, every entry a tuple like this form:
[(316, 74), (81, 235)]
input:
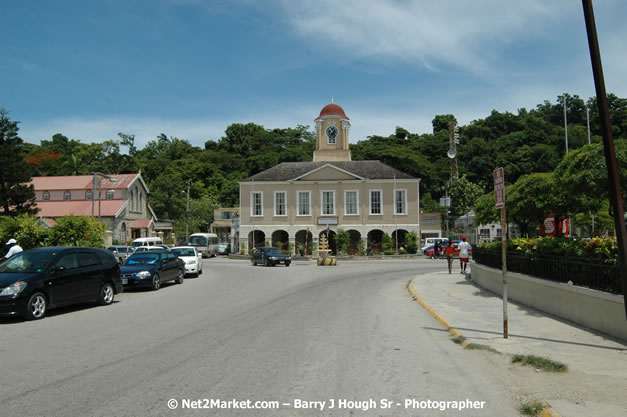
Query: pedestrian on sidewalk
[(450, 251), (13, 248), (464, 254)]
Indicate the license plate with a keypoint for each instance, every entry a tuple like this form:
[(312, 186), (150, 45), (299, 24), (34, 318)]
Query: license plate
[(281, 262), (124, 281)]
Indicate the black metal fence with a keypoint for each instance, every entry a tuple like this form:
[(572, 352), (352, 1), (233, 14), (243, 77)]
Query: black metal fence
[(583, 272)]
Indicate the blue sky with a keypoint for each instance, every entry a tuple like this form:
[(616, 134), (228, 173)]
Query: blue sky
[(189, 68)]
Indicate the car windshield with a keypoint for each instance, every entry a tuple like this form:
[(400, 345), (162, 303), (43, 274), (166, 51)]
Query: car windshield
[(27, 262), (223, 245), (273, 251), (143, 259), (197, 241), (183, 252)]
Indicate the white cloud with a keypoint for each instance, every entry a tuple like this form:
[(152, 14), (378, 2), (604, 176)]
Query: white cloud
[(431, 33)]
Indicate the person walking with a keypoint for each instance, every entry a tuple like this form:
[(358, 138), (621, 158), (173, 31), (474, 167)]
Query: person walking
[(436, 250), (450, 251), (464, 254), (13, 248)]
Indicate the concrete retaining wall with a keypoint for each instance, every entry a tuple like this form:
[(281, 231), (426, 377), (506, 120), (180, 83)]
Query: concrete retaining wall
[(590, 308)]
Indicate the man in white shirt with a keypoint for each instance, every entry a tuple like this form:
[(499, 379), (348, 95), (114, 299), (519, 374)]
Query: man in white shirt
[(13, 248), (464, 254)]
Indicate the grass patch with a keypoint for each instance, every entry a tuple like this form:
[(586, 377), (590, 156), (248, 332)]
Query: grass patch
[(476, 346), (540, 363), (532, 408)]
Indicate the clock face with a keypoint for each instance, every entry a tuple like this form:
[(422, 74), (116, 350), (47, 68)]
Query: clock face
[(332, 133)]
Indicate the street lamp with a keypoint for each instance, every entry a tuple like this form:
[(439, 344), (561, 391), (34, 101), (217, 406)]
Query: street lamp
[(187, 215), (93, 191), (565, 123)]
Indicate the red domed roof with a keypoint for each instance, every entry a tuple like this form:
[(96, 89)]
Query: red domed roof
[(332, 110)]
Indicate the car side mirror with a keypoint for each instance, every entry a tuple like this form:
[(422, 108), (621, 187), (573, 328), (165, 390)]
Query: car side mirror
[(56, 269)]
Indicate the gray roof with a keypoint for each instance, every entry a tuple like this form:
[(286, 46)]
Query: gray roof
[(365, 169)]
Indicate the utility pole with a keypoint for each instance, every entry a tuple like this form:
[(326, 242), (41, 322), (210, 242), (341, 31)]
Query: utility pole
[(616, 202)]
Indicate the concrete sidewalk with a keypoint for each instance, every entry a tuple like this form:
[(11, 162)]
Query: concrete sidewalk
[(477, 315)]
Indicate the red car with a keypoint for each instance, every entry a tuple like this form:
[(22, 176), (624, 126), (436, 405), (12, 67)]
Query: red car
[(429, 251)]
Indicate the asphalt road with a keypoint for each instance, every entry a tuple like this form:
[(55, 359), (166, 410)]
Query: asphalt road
[(351, 334)]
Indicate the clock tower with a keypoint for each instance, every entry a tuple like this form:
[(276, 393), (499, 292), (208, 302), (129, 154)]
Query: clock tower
[(332, 127)]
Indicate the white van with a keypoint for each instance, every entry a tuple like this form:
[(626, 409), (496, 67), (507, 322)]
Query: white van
[(431, 241), (146, 241), (205, 243)]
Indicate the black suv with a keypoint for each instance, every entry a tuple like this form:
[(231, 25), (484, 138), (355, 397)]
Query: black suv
[(35, 280), (270, 257)]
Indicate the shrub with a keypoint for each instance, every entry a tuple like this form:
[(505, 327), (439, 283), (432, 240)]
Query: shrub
[(605, 249), (388, 245), (342, 241), (411, 239), (25, 229), (361, 247), (77, 231)]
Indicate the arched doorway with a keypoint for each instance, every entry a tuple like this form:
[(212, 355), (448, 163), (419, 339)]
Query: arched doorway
[(331, 240), (375, 240), (259, 239), (353, 242), (281, 240), (304, 240), (402, 238)]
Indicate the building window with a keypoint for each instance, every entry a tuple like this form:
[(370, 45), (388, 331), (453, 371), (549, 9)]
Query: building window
[(484, 234), (400, 202), (351, 202), (141, 202), (88, 195), (499, 233), (328, 203), (67, 196), (46, 196), (375, 202), (256, 205), (110, 195), (304, 203), (280, 208)]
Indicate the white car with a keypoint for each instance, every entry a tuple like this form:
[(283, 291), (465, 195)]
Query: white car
[(192, 259)]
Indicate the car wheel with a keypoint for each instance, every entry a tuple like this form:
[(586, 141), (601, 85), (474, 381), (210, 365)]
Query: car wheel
[(156, 282), (180, 277), (106, 294), (36, 307), (267, 262), (254, 262), (287, 264)]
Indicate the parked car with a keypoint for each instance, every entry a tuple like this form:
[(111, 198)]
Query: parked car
[(149, 269), (149, 248), (192, 259), (224, 248), (270, 256), (35, 280), (121, 252), (430, 249)]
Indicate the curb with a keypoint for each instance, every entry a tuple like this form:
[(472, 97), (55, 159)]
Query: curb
[(546, 412), (458, 336)]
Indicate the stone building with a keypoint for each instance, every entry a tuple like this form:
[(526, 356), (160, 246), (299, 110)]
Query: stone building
[(122, 206), (295, 203)]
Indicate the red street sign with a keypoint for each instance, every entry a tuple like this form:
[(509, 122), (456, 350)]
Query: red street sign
[(499, 188)]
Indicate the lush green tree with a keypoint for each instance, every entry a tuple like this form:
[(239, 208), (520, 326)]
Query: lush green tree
[(16, 196), (582, 177), (25, 229), (464, 195), (77, 231)]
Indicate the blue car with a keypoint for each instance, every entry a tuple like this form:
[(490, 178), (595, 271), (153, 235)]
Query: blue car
[(150, 269)]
